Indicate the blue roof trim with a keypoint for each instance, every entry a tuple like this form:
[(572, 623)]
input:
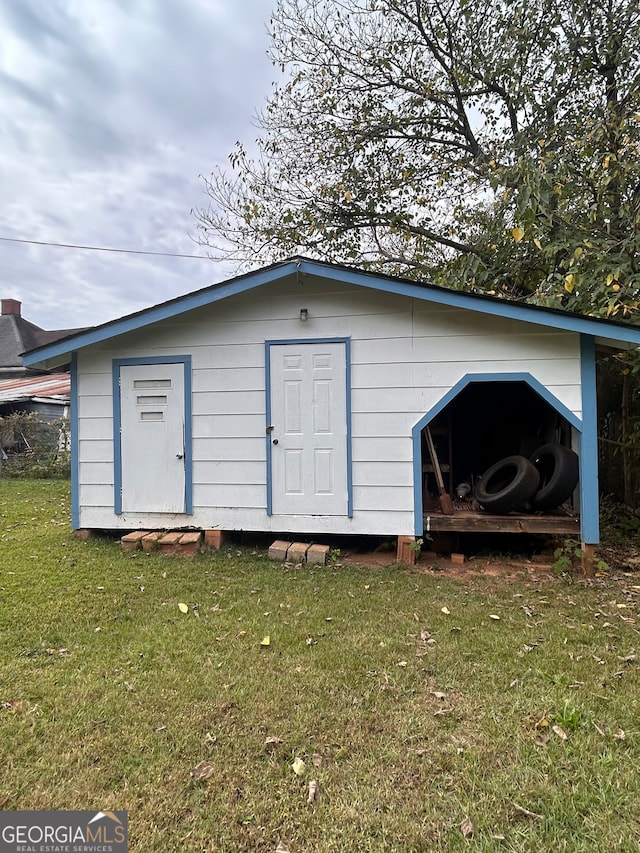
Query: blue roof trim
[(302, 266), (477, 302)]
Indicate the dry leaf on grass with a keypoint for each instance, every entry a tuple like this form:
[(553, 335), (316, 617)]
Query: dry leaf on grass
[(558, 730), (466, 827), (265, 641), (282, 848), (271, 742), (183, 608), (445, 610), (298, 767), (312, 793), (201, 771)]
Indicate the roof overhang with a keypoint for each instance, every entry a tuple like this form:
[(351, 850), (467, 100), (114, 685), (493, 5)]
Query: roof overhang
[(611, 335)]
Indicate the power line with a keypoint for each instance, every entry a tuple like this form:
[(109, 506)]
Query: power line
[(102, 248)]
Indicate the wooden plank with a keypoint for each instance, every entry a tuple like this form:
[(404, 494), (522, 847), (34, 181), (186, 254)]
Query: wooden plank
[(476, 522)]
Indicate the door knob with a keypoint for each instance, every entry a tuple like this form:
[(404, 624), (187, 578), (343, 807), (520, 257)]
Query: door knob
[(275, 440), (179, 455)]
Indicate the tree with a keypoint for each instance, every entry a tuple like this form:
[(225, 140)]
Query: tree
[(486, 146)]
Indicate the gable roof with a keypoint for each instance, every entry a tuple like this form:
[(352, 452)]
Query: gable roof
[(609, 333), (18, 335)]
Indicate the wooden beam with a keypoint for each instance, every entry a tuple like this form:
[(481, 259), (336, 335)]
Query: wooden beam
[(478, 522)]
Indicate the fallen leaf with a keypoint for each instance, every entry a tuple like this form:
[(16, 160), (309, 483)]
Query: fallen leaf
[(313, 792), (494, 616), (316, 759), (558, 730), (272, 742), (439, 694), (202, 771), (401, 663), (466, 827), (620, 735), (183, 608), (265, 641), (209, 738), (282, 848), (298, 767), (445, 610)]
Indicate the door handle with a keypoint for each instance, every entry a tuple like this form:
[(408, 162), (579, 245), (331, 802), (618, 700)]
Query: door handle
[(275, 440), (179, 455)]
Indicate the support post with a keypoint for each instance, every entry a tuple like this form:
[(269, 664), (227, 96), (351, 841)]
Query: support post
[(588, 555)]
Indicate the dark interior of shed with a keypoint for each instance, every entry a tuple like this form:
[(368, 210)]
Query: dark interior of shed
[(485, 423)]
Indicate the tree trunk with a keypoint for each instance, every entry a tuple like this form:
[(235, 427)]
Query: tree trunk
[(627, 462)]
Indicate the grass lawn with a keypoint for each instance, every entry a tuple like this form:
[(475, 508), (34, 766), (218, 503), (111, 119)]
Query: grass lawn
[(433, 712)]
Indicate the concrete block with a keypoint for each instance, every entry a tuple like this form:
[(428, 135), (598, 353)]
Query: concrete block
[(150, 541), (297, 552), (168, 542), (458, 559), (213, 539), (84, 533), (278, 551), (189, 543), (318, 554), (131, 541)]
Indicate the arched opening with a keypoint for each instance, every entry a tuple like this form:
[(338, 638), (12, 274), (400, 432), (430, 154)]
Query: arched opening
[(480, 422)]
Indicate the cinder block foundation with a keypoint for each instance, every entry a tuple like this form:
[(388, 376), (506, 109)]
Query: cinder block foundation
[(278, 551), (317, 555)]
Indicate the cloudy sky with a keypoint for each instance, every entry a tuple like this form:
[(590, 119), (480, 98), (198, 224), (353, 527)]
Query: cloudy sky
[(109, 112)]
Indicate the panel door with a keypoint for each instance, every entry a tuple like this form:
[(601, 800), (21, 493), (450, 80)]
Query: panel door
[(152, 437), (309, 429)]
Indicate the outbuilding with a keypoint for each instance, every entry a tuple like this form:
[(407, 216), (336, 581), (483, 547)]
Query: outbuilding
[(301, 398)]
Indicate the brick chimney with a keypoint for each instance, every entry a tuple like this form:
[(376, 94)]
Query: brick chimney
[(11, 306)]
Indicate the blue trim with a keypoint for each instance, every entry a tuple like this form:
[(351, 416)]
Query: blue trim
[(589, 487), (444, 401), (117, 363), (267, 358), (302, 267), (75, 445)]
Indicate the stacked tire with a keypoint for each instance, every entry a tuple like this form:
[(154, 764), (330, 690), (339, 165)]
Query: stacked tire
[(542, 482)]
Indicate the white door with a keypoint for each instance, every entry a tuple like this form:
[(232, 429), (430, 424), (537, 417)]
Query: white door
[(309, 429), (152, 437)]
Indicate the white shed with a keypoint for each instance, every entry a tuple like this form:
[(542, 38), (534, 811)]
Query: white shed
[(294, 399)]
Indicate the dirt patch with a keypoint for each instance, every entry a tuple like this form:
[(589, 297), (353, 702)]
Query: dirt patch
[(442, 565)]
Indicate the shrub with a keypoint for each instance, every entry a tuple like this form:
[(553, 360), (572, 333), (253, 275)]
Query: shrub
[(32, 447)]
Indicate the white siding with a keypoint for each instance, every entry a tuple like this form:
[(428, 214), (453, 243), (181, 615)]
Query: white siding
[(405, 356)]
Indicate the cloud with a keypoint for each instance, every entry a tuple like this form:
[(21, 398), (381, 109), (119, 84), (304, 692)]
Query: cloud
[(111, 111)]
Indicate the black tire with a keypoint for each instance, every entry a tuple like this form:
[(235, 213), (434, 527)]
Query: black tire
[(558, 467), (507, 485)]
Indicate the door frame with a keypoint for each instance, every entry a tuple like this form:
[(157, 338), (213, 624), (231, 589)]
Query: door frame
[(587, 447), (347, 361), (117, 363)]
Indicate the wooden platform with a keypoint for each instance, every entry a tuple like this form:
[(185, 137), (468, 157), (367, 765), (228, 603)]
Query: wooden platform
[(467, 521)]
